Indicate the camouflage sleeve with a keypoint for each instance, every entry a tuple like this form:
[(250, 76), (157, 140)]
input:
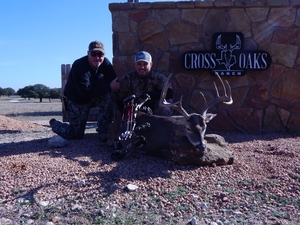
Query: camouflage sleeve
[(124, 90), (156, 84)]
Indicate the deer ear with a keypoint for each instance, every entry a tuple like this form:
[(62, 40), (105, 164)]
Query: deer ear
[(209, 117)]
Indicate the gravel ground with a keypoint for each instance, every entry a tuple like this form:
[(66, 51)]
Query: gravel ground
[(80, 184)]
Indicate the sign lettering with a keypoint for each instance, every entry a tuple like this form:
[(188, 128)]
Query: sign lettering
[(228, 57)]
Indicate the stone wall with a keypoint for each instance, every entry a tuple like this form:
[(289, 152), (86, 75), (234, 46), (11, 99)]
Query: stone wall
[(264, 101)]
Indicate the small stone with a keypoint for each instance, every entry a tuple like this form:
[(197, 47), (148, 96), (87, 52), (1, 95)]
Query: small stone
[(55, 219), (195, 196), (49, 223), (213, 223), (131, 187), (44, 203), (22, 200), (26, 215), (76, 207), (225, 211), (238, 213), (225, 199), (57, 142), (203, 206), (5, 221), (193, 221), (30, 221), (81, 183), (219, 222)]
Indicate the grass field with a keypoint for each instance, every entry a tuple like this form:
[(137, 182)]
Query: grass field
[(30, 110)]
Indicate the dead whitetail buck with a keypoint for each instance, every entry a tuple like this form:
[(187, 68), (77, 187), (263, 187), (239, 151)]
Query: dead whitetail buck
[(167, 136)]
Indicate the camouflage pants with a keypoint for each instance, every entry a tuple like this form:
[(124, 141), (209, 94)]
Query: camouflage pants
[(78, 116)]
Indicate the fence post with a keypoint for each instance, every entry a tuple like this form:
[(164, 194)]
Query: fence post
[(65, 69)]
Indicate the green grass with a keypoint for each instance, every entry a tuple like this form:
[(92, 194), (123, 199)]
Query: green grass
[(280, 215), (295, 176), (282, 200), (172, 196)]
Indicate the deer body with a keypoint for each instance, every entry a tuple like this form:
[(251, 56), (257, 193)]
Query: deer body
[(163, 131), (174, 136), (158, 135)]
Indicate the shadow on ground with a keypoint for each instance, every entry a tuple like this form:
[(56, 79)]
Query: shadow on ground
[(94, 156), (38, 114), (86, 153)]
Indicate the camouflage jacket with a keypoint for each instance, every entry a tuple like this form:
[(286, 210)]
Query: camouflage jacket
[(152, 85)]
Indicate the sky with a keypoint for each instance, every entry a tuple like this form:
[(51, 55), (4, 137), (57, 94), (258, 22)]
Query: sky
[(37, 36)]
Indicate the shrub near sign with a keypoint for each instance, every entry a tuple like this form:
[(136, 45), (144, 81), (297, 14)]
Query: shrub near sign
[(227, 57)]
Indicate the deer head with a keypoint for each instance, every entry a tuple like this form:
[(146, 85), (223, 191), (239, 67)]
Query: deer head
[(195, 124)]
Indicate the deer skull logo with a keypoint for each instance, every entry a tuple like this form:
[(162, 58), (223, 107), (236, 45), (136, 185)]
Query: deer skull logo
[(227, 58)]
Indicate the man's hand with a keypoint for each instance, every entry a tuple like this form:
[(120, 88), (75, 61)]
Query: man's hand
[(115, 85)]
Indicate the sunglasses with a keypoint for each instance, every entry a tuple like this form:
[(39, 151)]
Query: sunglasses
[(94, 54)]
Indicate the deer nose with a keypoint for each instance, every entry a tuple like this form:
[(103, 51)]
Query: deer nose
[(201, 147)]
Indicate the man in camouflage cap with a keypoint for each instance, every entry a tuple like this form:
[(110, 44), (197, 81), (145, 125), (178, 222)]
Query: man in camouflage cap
[(143, 80), (92, 82)]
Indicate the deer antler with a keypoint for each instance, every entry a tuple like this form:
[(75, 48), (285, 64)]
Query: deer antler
[(177, 105), (219, 45), (237, 45), (227, 99)]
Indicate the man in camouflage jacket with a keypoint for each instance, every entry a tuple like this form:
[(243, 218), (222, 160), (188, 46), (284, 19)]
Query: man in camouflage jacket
[(143, 80)]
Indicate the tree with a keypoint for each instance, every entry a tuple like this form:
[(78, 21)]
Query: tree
[(9, 91), (2, 92), (26, 92), (39, 91), (42, 91), (55, 93)]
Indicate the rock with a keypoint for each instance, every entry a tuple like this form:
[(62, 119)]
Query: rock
[(238, 213), (203, 206), (30, 221), (81, 183), (131, 187), (76, 207), (57, 142), (193, 221), (49, 223), (217, 152), (195, 197), (55, 219), (44, 203), (219, 222), (5, 221), (213, 223)]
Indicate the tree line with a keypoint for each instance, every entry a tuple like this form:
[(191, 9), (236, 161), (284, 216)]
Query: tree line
[(6, 91), (39, 91)]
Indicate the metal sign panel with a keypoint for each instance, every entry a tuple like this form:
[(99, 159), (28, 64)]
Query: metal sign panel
[(227, 57)]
